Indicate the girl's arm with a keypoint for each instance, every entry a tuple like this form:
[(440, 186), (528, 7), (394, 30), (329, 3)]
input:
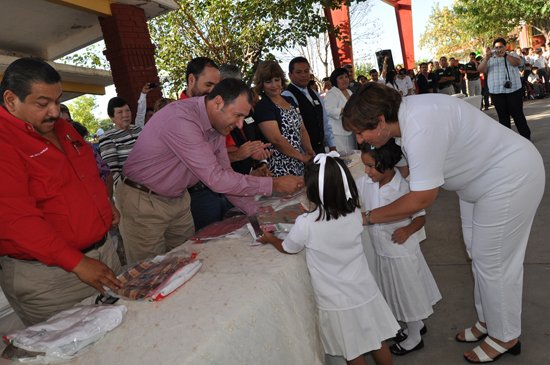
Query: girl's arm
[(276, 242), (402, 234)]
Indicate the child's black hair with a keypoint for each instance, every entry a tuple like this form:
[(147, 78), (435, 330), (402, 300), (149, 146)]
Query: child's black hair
[(334, 195), (385, 157)]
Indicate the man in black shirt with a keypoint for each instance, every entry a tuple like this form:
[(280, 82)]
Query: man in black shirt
[(445, 76), (311, 105), (457, 73), (425, 80), (472, 74)]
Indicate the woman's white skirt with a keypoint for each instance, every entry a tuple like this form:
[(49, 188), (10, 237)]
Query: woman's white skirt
[(408, 286), (353, 332)]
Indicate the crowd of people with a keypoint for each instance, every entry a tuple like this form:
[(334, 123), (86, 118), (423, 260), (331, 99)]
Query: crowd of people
[(185, 164)]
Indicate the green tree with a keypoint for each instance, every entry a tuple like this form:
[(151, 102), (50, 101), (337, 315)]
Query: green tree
[(500, 17), (82, 111), (363, 68), (451, 34)]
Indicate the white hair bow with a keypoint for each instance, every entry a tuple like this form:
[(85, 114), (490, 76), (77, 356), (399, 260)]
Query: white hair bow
[(321, 160)]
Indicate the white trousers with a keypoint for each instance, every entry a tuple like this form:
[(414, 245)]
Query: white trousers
[(474, 87), (496, 230)]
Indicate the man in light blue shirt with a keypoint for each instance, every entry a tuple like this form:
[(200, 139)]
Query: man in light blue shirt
[(311, 106)]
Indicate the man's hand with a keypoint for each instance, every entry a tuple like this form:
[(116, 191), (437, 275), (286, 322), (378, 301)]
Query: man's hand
[(249, 149), (263, 153), (261, 171), (401, 235), (288, 184), (310, 153), (145, 89), (96, 274), (488, 53), (116, 215)]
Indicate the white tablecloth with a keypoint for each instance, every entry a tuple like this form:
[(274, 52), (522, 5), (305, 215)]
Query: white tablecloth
[(247, 305)]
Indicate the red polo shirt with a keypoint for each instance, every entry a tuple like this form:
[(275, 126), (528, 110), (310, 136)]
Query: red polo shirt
[(52, 204)]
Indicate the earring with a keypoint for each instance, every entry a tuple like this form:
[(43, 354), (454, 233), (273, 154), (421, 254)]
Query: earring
[(387, 135)]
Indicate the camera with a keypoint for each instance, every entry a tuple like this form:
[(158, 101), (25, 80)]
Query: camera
[(494, 52), (508, 85), (153, 85)]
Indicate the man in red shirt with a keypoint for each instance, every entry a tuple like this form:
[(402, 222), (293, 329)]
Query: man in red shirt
[(202, 74), (54, 208)]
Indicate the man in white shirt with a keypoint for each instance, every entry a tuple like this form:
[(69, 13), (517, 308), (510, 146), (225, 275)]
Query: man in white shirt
[(536, 84), (404, 83), (542, 64)]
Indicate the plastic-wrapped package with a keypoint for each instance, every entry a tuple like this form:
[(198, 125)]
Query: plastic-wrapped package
[(66, 335), (221, 229), (156, 278), (287, 214)]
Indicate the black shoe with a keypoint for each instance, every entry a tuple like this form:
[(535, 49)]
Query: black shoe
[(400, 351), (402, 336)]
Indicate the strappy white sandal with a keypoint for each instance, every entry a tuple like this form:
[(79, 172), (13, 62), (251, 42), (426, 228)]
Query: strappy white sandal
[(482, 356), (469, 336)]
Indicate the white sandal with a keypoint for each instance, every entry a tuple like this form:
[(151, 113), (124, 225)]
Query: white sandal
[(469, 336), (482, 356)]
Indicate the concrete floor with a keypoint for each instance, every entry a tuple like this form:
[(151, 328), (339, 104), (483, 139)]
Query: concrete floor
[(445, 253)]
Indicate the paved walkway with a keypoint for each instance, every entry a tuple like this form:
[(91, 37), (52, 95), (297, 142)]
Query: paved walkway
[(445, 253)]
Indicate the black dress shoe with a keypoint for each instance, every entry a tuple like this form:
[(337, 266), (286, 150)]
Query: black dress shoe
[(402, 336), (400, 351)]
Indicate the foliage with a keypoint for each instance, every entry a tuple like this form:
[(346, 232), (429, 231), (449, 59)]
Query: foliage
[(91, 56), (363, 68), (82, 111), (453, 33), (502, 16), (239, 32)]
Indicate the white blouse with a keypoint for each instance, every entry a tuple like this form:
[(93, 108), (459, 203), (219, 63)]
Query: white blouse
[(334, 102)]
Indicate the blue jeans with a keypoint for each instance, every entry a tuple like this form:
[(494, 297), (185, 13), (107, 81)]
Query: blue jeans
[(208, 207)]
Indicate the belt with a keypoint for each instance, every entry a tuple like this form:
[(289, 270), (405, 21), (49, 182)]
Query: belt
[(477, 78), (96, 245), (200, 186), (136, 185)]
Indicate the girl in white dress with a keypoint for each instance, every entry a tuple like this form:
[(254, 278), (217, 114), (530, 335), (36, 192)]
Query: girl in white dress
[(354, 318), (402, 273)]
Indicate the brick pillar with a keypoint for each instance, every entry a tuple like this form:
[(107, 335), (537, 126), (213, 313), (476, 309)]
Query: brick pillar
[(130, 53), (342, 52)]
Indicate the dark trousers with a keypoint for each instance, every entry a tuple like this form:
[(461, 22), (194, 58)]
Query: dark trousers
[(208, 207), (485, 93), (508, 105)]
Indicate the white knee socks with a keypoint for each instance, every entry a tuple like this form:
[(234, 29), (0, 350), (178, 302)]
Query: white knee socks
[(414, 337)]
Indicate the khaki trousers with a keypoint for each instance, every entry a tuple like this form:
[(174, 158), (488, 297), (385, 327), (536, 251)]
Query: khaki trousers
[(37, 291), (151, 224), (447, 90)]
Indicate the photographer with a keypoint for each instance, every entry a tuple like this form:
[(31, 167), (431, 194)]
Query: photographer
[(505, 86)]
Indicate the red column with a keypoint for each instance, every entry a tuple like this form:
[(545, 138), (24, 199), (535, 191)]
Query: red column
[(342, 52), (403, 13), (130, 53)]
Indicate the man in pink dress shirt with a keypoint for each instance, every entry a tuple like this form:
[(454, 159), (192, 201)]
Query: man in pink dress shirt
[(182, 144)]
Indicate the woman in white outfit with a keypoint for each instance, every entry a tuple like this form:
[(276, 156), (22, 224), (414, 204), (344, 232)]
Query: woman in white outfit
[(335, 100), (498, 176)]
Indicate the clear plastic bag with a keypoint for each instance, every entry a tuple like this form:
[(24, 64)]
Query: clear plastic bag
[(154, 279), (68, 334)]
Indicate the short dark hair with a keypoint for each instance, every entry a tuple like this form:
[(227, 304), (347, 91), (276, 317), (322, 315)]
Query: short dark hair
[(334, 196), (373, 71), (472, 54), (21, 74), (296, 60), (311, 82), (230, 89), (452, 58), (424, 63), (230, 71), (366, 105), (428, 63), (347, 65), (361, 76), (402, 71), (325, 79), (65, 109), (442, 57), (196, 67), (385, 157), (149, 109), (534, 68), (334, 75), (116, 102), (499, 40), (81, 129)]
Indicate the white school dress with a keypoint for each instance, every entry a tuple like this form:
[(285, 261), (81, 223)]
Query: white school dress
[(353, 316), (403, 275)]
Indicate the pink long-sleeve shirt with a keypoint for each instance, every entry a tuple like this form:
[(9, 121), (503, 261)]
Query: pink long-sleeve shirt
[(178, 147)]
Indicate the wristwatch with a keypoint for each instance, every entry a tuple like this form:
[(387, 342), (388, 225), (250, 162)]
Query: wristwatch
[(367, 217)]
